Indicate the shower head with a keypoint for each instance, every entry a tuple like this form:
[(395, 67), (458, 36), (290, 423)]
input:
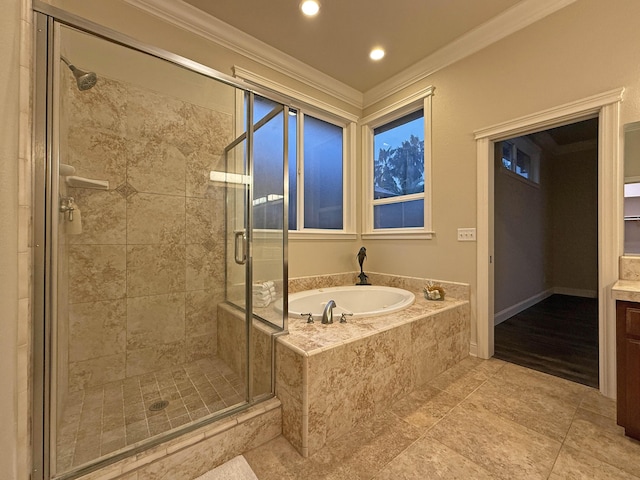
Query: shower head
[(85, 80)]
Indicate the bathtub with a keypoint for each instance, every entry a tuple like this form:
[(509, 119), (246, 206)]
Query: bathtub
[(361, 301)]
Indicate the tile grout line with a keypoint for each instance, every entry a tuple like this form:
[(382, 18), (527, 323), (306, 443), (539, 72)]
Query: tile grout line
[(430, 427)]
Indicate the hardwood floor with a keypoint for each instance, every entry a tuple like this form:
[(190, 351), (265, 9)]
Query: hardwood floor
[(558, 336)]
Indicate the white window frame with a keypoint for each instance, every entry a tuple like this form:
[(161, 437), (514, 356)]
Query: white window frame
[(533, 151), (307, 105), (417, 101)]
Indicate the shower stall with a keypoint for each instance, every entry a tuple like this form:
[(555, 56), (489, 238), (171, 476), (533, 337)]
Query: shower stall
[(161, 203)]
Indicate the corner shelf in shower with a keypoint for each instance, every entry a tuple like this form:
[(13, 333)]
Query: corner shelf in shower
[(82, 182)]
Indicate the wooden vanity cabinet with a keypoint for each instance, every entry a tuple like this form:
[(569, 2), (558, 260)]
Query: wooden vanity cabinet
[(628, 366)]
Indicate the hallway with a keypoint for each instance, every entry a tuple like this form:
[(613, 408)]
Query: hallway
[(558, 336)]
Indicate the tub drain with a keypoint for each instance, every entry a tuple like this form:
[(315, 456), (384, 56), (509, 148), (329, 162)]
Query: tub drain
[(160, 405)]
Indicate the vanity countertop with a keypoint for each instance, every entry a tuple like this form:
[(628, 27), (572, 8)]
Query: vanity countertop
[(628, 290)]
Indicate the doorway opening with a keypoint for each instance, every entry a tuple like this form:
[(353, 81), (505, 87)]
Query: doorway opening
[(546, 251), (606, 107)]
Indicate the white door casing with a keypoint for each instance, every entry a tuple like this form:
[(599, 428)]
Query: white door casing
[(606, 106)]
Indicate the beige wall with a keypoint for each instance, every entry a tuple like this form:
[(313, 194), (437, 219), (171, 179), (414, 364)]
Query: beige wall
[(574, 210), (13, 248), (522, 234), (547, 236), (9, 112)]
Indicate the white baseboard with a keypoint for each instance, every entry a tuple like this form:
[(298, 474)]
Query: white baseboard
[(575, 292), (473, 349), (509, 312)]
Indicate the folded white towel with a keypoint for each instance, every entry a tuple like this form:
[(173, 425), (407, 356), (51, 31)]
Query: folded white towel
[(261, 303)]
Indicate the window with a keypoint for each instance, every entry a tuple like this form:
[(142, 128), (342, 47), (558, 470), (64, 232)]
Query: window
[(316, 171), (397, 146), (521, 157), (398, 172)]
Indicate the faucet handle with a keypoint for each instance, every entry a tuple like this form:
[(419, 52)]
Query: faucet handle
[(343, 317), (309, 315)]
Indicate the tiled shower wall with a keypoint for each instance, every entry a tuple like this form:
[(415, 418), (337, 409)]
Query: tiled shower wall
[(145, 275)]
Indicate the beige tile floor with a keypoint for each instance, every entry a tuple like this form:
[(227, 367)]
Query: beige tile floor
[(482, 419)]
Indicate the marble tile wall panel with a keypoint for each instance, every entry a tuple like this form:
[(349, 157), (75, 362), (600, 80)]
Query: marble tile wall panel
[(104, 216), (155, 269), (153, 219), (293, 421), (231, 345), (97, 329), (96, 272), (301, 284), (156, 167), (97, 154), (157, 357), (456, 290), (96, 371), (155, 320), (155, 233), (201, 313), (103, 108), (199, 164)]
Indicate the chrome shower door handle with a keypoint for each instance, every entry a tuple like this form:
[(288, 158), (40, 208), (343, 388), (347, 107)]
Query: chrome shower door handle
[(241, 238)]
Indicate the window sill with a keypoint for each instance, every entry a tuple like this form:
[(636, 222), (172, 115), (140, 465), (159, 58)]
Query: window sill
[(399, 235), (321, 235)]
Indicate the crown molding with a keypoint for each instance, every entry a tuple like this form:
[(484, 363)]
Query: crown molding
[(200, 23), (510, 21), (296, 96), (187, 17), (574, 111)]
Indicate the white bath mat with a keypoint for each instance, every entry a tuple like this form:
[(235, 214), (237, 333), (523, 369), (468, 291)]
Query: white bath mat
[(235, 469)]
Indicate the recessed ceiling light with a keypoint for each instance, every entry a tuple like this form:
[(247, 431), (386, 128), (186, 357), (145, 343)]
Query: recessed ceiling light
[(310, 7), (376, 54)]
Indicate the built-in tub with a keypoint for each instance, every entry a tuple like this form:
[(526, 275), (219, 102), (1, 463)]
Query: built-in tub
[(329, 378), (359, 301)]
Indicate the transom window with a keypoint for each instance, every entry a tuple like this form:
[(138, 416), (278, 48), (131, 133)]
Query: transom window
[(397, 152), (398, 172), (521, 157)]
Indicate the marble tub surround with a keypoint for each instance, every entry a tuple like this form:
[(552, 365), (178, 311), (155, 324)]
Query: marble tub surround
[(480, 419), (231, 347), (330, 378), (414, 284)]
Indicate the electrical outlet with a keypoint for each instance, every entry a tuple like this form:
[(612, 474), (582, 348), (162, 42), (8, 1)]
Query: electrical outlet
[(466, 234)]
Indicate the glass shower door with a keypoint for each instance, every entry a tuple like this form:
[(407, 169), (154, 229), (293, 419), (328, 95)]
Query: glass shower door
[(146, 206)]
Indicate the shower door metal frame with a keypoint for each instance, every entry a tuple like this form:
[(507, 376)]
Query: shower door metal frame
[(46, 17)]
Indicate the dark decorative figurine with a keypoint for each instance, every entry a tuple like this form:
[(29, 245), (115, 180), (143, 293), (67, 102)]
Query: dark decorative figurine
[(362, 254)]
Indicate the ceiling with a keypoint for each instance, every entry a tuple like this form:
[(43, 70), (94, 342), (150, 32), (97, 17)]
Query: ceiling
[(568, 138), (338, 40)]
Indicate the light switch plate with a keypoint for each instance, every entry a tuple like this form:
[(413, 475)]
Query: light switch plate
[(466, 234)]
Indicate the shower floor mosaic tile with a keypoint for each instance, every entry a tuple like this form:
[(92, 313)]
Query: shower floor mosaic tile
[(101, 420)]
